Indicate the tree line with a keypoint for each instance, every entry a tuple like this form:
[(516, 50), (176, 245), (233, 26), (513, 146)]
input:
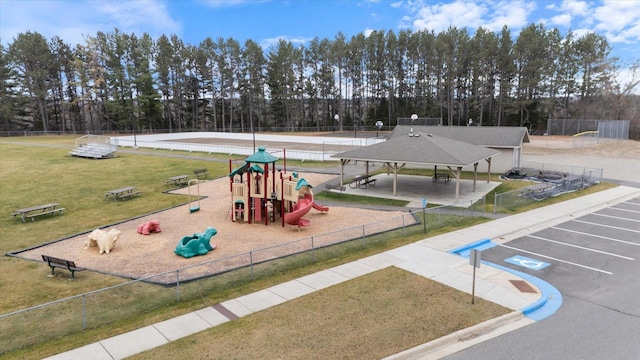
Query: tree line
[(117, 81)]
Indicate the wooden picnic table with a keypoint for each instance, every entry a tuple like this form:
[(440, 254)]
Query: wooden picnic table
[(122, 193), (441, 177), (362, 181), (32, 212), (178, 180)]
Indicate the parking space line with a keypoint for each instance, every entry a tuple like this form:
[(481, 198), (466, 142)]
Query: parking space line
[(598, 236), (556, 259), (615, 217), (580, 247), (627, 210), (607, 226)]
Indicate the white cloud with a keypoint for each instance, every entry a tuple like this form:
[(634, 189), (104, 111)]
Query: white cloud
[(619, 21), (72, 20), (574, 7), (514, 14), (561, 20), (269, 42), (492, 15), (440, 17)]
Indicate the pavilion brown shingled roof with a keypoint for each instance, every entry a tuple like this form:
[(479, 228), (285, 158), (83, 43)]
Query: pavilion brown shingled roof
[(420, 148)]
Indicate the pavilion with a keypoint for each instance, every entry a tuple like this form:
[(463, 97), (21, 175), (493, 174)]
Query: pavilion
[(414, 145)]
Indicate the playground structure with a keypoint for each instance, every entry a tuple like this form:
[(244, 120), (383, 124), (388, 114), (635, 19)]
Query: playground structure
[(259, 193)]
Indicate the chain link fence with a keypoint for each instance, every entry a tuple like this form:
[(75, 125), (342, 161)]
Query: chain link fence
[(110, 305), (599, 129)]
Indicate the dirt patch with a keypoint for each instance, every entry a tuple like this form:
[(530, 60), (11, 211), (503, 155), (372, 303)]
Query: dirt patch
[(568, 145), (137, 256)]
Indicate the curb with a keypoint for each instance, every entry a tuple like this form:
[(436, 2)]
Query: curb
[(469, 333)]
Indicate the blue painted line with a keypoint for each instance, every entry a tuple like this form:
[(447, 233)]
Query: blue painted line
[(549, 302), (550, 299), (465, 250)]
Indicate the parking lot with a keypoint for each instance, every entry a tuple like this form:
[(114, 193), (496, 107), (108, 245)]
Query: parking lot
[(594, 261), (592, 250)]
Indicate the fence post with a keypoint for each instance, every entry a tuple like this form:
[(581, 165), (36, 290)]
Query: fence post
[(313, 251), (178, 284), (84, 312), (251, 264)]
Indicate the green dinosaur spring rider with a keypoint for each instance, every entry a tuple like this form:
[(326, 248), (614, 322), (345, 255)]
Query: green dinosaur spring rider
[(196, 244)]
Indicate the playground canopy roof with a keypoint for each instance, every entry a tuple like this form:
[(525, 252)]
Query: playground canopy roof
[(261, 157)]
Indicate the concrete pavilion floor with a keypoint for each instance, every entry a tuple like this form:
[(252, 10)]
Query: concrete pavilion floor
[(414, 188)]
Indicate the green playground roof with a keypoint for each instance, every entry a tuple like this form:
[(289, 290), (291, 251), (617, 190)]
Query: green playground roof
[(261, 157)]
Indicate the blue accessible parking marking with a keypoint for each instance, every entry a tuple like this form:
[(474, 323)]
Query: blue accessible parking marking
[(527, 262)]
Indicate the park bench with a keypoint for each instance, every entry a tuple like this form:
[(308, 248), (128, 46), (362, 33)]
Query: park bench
[(54, 262), (335, 187), (441, 177), (32, 212), (201, 173)]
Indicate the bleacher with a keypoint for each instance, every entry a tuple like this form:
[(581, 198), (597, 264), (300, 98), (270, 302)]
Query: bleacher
[(94, 151)]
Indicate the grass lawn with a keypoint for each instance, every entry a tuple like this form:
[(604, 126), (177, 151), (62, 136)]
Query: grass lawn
[(369, 317)]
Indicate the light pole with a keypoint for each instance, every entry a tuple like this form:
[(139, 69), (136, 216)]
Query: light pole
[(378, 127), (355, 128), (414, 117), (336, 117)]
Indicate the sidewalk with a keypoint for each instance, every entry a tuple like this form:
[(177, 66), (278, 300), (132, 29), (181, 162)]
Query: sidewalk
[(429, 257)]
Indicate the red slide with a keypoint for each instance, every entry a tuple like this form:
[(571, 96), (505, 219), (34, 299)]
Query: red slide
[(320, 207), (301, 208)]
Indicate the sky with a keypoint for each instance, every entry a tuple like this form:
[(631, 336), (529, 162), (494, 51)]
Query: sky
[(299, 21)]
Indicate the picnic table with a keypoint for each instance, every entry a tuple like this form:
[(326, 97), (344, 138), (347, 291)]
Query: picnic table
[(362, 181), (32, 212), (178, 180), (122, 193), (441, 177)]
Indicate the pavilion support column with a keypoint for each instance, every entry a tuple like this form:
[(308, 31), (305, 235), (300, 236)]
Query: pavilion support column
[(475, 176), (343, 162), (488, 170), (458, 174), (395, 178)]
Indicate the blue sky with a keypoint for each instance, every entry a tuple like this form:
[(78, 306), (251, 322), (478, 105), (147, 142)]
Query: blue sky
[(266, 21)]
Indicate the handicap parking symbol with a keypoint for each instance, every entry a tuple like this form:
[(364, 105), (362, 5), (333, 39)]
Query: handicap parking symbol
[(527, 262)]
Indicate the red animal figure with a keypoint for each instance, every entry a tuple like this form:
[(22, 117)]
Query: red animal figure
[(149, 227)]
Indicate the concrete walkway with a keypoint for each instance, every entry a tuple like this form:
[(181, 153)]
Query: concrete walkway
[(429, 257)]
